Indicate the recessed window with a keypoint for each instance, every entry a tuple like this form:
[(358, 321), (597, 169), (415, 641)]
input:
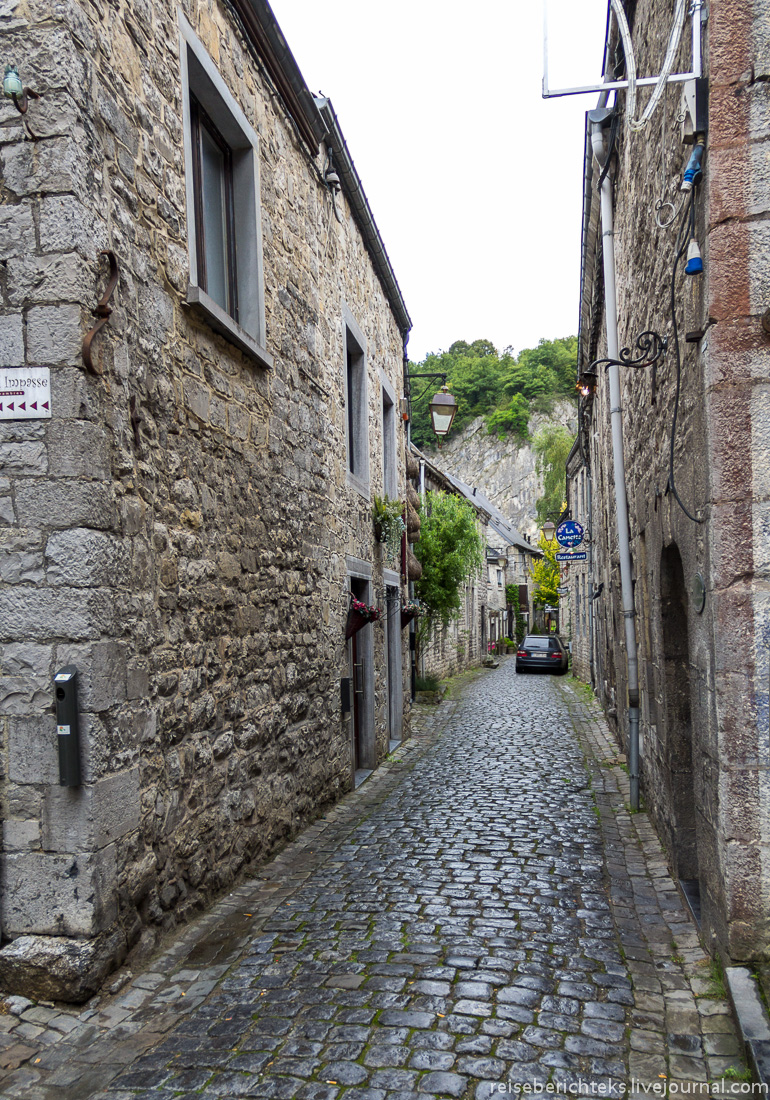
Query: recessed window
[(214, 215), (356, 406), (223, 216), (389, 461)]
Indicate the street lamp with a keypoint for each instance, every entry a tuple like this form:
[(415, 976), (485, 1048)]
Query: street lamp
[(548, 531), (442, 411), (443, 405)]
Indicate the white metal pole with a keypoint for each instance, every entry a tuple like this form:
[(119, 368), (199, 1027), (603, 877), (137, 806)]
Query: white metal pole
[(621, 501)]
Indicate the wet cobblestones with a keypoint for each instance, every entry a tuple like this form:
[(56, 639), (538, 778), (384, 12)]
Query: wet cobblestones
[(482, 913)]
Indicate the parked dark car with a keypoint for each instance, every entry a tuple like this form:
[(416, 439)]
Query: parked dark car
[(542, 651)]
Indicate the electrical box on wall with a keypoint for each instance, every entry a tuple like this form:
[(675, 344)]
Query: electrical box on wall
[(695, 109), (67, 730)]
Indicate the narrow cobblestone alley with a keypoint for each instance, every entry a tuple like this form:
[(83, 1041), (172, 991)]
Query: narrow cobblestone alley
[(450, 929)]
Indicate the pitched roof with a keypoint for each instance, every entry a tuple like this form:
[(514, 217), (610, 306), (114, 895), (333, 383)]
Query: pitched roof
[(497, 521)]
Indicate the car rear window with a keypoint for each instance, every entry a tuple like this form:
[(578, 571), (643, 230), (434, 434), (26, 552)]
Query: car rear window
[(532, 641)]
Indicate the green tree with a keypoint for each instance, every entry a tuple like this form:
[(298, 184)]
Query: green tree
[(552, 444), (450, 550), (512, 418), (545, 575), (497, 385)]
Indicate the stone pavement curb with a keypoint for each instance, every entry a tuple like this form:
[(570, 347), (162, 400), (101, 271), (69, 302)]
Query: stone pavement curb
[(674, 990), (752, 1019)]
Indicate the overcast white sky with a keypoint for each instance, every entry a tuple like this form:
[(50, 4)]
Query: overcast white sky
[(474, 180)]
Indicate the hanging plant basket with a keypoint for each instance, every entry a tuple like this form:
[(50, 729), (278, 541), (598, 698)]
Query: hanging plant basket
[(359, 614), (409, 610)]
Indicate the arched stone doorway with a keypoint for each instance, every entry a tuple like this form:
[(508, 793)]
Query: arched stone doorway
[(678, 719)]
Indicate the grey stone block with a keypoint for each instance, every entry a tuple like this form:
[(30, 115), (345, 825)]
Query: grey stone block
[(24, 566), (25, 686), (57, 165), (88, 818), (197, 397), (54, 334), (66, 224), (58, 969), (32, 750), (50, 278), (11, 340), (17, 230), (20, 835), (51, 894), (71, 394), (28, 457), (64, 503), (41, 614), (101, 672), (85, 558), (78, 448)]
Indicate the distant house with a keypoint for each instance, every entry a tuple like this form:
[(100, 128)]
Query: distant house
[(486, 615)]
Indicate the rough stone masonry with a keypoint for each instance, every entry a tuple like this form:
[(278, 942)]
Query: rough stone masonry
[(179, 529)]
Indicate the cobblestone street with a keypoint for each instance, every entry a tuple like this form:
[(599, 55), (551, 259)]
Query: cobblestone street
[(482, 912)]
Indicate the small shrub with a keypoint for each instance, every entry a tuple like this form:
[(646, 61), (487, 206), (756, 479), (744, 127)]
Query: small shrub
[(426, 683)]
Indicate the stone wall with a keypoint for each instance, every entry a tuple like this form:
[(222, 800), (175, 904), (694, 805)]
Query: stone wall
[(191, 563), (703, 671)]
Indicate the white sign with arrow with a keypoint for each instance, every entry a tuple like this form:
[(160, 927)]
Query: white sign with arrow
[(25, 393)]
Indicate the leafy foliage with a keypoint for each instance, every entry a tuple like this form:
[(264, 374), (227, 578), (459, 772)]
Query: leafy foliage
[(450, 550), (512, 597), (552, 444), (498, 385), (545, 575), (512, 418)]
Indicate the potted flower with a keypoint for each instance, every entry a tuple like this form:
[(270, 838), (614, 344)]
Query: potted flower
[(389, 524), (410, 609), (359, 614)]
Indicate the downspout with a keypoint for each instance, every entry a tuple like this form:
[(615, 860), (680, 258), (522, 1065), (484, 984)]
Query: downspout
[(589, 507), (598, 119)]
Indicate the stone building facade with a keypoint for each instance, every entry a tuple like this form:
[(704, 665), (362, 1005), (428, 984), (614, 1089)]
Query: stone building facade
[(463, 643), (576, 604), (701, 581), (187, 526)]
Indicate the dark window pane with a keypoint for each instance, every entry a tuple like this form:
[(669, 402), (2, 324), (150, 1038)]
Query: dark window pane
[(214, 213)]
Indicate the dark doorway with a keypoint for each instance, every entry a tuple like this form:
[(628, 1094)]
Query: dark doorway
[(678, 721), (361, 673)]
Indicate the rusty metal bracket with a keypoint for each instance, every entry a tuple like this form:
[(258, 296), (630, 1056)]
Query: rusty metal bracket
[(102, 311)]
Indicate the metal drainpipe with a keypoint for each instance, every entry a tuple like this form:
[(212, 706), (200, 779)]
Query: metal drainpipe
[(621, 500), (589, 506)]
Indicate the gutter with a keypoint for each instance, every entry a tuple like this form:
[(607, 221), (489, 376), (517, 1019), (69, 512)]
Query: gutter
[(351, 183)]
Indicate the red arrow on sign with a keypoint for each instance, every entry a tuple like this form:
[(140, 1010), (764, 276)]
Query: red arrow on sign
[(24, 406), (10, 405), (45, 404), (34, 405)]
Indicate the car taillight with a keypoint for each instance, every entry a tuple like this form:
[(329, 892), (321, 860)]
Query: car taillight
[(557, 655), (521, 653)]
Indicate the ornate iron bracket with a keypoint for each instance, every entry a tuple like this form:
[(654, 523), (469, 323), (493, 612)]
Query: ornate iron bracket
[(102, 310), (430, 377), (651, 346)]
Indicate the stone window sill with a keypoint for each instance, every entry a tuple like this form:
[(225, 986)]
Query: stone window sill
[(360, 485), (208, 310)]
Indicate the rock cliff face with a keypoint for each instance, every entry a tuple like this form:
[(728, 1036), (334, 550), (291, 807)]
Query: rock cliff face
[(503, 469)]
